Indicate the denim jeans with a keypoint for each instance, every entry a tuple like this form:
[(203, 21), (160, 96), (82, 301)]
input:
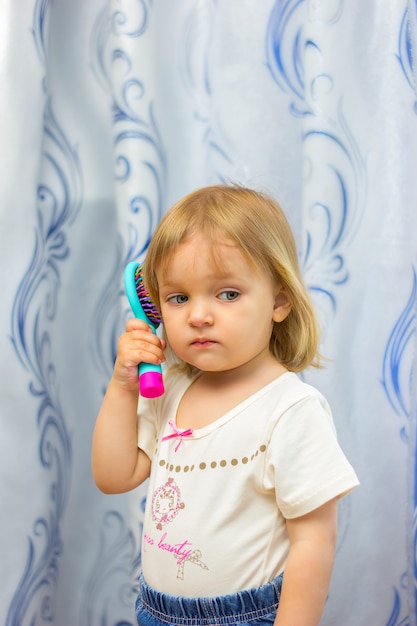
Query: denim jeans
[(256, 607)]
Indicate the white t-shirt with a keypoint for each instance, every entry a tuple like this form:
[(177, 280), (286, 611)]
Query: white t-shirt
[(218, 497)]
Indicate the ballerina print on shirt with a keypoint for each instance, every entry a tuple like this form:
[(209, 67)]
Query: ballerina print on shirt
[(166, 504)]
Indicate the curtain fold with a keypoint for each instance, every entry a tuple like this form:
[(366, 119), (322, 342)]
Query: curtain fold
[(110, 112)]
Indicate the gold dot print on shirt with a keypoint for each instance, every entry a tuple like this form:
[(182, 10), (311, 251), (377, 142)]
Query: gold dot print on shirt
[(217, 464)]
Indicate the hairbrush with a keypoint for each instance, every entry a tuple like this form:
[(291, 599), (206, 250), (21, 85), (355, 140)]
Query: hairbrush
[(151, 384)]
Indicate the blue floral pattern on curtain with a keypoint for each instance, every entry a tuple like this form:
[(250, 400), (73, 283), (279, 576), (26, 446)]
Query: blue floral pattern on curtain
[(119, 109)]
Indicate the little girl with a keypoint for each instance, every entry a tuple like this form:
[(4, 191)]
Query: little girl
[(244, 466)]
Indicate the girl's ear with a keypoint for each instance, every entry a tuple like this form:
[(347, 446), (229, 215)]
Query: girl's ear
[(282, 305)]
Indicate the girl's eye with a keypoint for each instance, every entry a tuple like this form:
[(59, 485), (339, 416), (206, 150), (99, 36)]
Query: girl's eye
[(179, 298), (228, 295)]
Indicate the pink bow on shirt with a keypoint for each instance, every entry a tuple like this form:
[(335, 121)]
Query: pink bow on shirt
[(177, 434)]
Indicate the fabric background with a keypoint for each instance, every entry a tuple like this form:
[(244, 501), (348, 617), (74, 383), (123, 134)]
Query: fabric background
[(110, 111)]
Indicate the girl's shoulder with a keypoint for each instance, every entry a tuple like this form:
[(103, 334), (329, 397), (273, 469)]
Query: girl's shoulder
[(176, 375), (176, 381), (291, 385)]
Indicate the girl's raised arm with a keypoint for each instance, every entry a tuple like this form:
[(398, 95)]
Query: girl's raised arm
[(118, 464)]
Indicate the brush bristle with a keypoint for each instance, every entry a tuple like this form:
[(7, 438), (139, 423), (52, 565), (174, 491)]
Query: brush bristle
[(151, 312)]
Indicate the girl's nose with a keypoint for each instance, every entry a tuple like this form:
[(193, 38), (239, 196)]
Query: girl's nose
[(200, 314)]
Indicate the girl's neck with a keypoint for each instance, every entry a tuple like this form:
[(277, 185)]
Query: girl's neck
[(213, 394), (249, 376)]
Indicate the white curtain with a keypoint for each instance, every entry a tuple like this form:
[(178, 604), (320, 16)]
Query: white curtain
[(110, 111)]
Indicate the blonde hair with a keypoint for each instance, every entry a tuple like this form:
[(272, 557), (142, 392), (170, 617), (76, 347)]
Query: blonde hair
[(258, 226)]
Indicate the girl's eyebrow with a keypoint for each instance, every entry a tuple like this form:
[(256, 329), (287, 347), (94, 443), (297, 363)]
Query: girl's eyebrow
[(167, 288)]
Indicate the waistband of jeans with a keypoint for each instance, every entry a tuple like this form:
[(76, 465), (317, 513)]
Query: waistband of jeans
[(243, 606)]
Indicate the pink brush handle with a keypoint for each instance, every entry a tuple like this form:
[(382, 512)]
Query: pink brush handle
[(151, 384)]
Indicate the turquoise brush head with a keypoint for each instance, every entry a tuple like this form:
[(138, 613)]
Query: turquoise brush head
[(151, 384)]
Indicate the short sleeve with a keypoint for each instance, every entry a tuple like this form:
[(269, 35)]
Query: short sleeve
[(305, 463)]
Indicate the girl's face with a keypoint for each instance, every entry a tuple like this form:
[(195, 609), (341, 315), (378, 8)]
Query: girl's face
[(218, 316)]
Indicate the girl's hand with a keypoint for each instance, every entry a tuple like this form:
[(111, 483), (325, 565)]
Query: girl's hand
[(137, 345)]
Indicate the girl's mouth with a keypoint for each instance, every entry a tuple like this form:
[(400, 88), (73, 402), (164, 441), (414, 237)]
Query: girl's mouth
[(202, 343)]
